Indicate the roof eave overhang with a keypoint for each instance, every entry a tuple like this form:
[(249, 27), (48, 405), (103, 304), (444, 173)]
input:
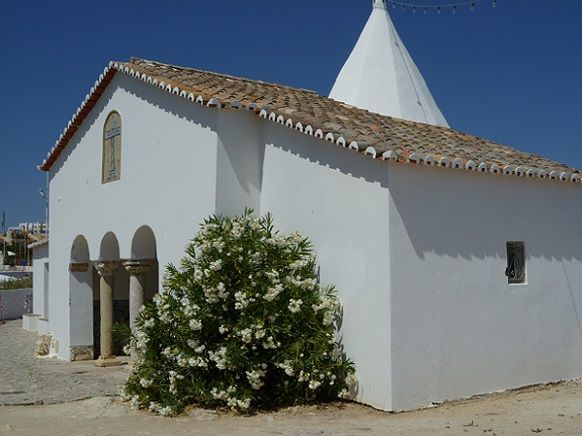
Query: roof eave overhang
[(84, 109), (405, 156)]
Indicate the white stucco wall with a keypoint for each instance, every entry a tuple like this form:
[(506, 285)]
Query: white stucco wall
[(239, 162), (339, 199), (15, 303), (416, 253), (458, 327), (39, 260), (168, 182), (181, 162)]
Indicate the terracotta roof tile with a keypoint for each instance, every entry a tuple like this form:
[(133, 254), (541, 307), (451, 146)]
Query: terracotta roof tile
[(384, 133)]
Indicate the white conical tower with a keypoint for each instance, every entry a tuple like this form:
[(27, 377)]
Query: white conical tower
[(380, 75)]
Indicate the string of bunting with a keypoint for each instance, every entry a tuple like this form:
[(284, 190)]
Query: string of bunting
[(452, 6)]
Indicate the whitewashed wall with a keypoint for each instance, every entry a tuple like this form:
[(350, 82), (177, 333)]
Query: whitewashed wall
[(339, 199), (168, 182), (39, 259), (417, 253), (239, 162), (15, 303), (458, 327)]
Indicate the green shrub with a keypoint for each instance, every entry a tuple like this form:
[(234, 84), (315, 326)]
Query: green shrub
[(25, 282), (121, 335), (243, 323)]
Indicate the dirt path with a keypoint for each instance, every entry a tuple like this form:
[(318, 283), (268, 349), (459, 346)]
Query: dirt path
[(551, 410)]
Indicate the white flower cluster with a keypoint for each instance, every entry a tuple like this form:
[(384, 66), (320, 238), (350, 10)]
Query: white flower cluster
[(246, 335), (294, 305), (273, 292), (270, 343), (282, 241), (235, 403), (222, 394), (219, 357), (161, 302), (216, 265), (237, 229), (221, 291), (314, 384), (254, 377), (134, 402), (149, 323), (195, 324), (301, 263), (287, 367), (305, 284), (329, 305), (146, 383), (218, 244), (257, 332), (173, 379), (242, 300), (141, 340), (351, 382), (190, 309), (162, 410), (231, 401)]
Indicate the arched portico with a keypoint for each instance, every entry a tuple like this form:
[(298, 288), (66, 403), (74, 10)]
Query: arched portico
[(142, 269), (107, 266), (81, 301)]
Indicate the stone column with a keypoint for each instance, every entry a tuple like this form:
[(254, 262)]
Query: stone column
[(106, 269), (136, 270)]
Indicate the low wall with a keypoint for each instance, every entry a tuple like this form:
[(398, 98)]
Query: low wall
[(15, 303)]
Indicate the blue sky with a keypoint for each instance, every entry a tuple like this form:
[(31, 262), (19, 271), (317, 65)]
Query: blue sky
[(512, 74)]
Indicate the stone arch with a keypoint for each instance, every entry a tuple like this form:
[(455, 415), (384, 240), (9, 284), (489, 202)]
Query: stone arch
[(143, 244), (80, 250), (81, 301), (109, 248), (143, 269), (111, 300)]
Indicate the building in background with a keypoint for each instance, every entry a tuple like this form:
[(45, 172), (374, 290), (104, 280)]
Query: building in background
[(33, 228)]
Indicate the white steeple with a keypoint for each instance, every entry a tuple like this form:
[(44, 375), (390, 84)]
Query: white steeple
[(380, 75)]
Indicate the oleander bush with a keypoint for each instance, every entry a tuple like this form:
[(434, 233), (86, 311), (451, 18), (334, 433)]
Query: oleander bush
[(243, 323)]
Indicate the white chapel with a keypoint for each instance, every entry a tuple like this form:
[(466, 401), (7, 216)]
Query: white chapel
[(458, 260)]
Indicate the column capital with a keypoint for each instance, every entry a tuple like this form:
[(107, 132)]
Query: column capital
[(78, 266), (135, 266), (105, 268)]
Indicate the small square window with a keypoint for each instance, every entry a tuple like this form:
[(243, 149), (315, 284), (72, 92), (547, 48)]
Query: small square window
[(515, 270)]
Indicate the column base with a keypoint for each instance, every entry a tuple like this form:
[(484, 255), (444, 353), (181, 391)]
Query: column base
[(104, 362), (81, 352)]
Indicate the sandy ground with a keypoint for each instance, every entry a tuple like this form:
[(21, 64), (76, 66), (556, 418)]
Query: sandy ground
[(547, 410)]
